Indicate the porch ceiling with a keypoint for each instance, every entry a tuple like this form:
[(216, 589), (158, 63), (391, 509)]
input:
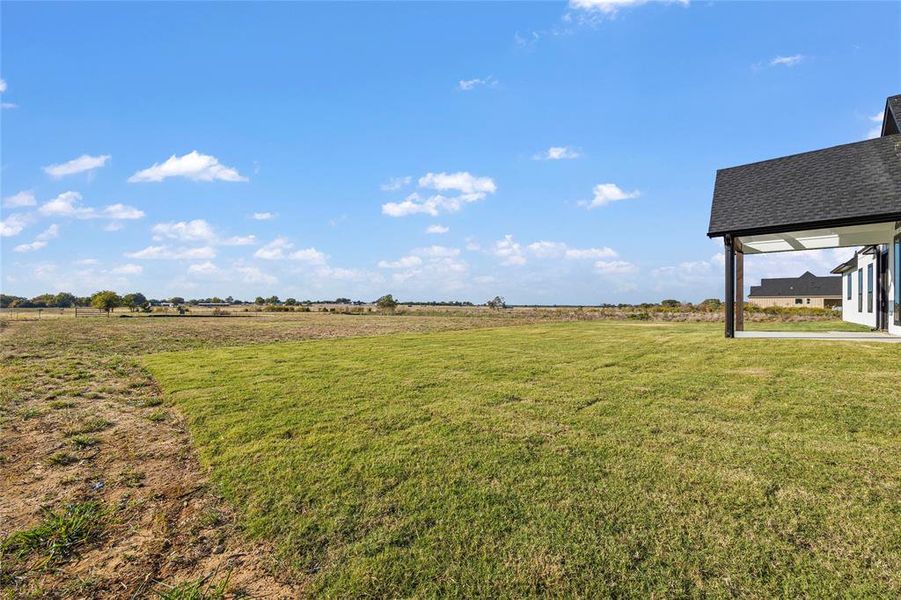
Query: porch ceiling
[(816, 239)]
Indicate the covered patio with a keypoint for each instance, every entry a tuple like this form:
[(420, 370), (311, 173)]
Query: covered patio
[(844, 196), (853, 336)]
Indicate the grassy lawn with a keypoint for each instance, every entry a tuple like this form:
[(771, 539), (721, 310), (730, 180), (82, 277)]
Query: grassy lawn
[(574, 459)]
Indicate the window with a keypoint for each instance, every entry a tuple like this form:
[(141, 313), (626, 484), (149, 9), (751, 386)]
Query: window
[(896, 280), (808, 301), (869, 288), (848, 280), (798, 301), (860, 290)]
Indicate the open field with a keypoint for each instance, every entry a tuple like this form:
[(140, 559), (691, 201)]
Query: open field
[(575, 459), (413, 455), (82, 422)]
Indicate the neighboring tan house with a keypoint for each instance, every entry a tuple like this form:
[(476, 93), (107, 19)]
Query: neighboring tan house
[(847, 196), (807, 290), (865, 283)]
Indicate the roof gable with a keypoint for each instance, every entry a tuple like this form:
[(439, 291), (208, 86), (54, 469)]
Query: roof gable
[(891, 118)]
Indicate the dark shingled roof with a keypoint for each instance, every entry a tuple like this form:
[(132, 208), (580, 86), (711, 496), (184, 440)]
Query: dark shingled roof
[(891, 122), (848, 265), (807, 284), (852, 183)]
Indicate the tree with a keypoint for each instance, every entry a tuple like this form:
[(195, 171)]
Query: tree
[(260, 300), (176, 300), (290, 302), (497, 303), (342, 300), (386, 302), (134, 301), (64, 300), (7, 301), (106, 301), (272, 300), (670, 303), (711, 304), (42, 301)]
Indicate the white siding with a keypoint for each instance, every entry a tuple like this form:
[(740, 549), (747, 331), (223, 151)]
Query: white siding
[(893, 284), (849, 307)]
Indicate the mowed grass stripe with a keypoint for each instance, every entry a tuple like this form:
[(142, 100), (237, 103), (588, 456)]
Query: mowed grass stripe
[(576, 459)]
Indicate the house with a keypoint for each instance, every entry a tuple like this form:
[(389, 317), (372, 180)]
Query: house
[(861, 289), (807, 290), (843, 196)]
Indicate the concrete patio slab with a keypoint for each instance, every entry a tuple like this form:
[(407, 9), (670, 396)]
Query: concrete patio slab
[(853, 336)]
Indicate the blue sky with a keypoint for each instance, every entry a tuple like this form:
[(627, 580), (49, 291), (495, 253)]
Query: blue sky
[(546, 152)]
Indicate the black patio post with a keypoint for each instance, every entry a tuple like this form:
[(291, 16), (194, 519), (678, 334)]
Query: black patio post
[(730, 286)]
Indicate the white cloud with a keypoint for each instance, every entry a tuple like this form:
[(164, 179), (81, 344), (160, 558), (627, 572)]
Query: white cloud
[(197, 230), (605, 193), (83, 163), (590, 253), (127, 269), (204, 268), (2, 85), (509, 251), (239, 240), (263, 216), (194, 166), (614, 267), (309, 255), (86, 262), (13, 224), (546, 249), (468, 85), (251, 274), (469, 188), (274, 250), (876, 130), (40, 240), (67, 205), (396, 183), (462, 181), (278, 249), (558, 153), (113, 226), (405, 262), (164, 252), (6, 105), (437, 229), (64, 206), (787, 61), (121, 212), (191, 231), (24, 198), (611, 7), (437, 252)]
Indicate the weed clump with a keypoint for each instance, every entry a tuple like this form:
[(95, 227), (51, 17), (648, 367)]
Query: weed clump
[(57, 536)]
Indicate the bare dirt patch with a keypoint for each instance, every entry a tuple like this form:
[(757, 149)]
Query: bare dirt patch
[(81, 422)]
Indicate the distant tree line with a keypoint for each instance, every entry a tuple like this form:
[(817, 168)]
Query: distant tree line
[(108, 300)]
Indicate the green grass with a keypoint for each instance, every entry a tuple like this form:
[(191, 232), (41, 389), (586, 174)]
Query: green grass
[(91, 425), (200, 589), (805, 326), (57, 536), (82, 441), (580, 459), (62, 458)]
